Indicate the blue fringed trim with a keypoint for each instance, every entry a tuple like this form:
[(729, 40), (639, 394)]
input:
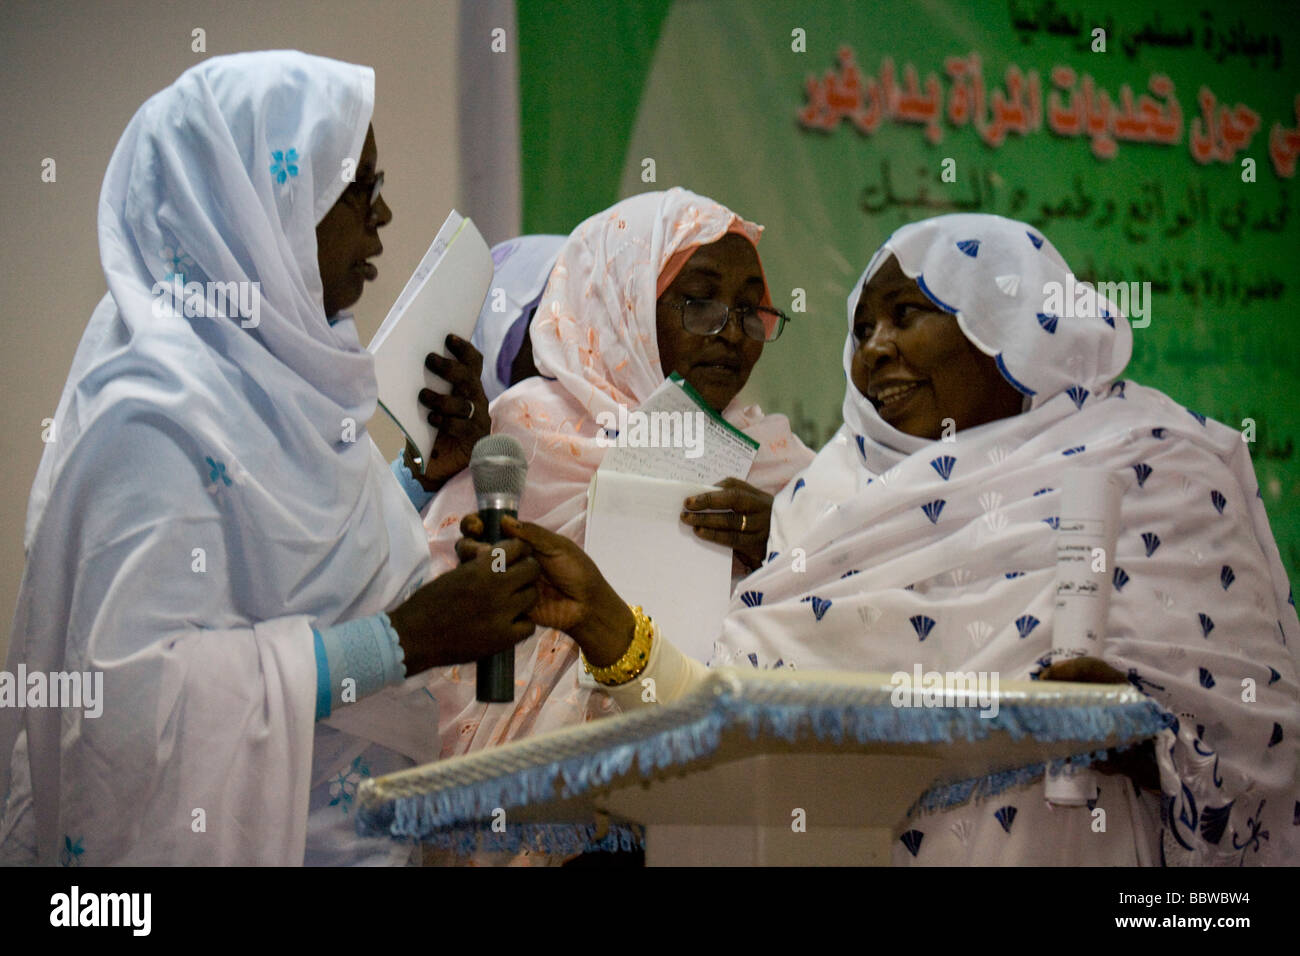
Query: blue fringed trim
[(419, 816), (558, 839), (950, 795), (655, 740)]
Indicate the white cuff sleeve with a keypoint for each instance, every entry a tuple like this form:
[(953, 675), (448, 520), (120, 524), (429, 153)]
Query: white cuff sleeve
[(668, 676)]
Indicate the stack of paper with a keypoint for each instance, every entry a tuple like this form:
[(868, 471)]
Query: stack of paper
[(442, 297), (652, 558), (670, 448)]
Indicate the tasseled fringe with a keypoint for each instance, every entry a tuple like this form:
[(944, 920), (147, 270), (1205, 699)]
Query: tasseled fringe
[(455, 816), (980, 788), (558, 839)]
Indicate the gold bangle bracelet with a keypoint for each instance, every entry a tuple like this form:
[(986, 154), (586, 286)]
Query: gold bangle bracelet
[(634, 659)]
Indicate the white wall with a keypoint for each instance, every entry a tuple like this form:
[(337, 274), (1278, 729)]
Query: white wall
[(72, 76)]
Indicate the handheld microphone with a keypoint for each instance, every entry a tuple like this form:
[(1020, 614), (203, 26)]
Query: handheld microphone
[(498, 468)]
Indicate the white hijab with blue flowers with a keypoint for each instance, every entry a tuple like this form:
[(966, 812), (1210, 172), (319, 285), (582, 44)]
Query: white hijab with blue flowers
[(942, 553), (210, 495)]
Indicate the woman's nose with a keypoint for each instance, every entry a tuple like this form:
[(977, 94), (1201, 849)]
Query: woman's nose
[(382, 214), (881, 343), (733, 331)]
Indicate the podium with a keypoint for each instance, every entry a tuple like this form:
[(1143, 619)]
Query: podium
[(757, 768)]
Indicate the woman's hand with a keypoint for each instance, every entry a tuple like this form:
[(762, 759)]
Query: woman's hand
[(1138, 761), (471, 612), (461, 417), (1083, 670), (741, 517), (573, 596)]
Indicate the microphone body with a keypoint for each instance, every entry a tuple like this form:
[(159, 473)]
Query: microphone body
[(498, 468), (495, 675)]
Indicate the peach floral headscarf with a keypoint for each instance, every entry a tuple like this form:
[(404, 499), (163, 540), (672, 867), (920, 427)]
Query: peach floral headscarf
[(595, 344)]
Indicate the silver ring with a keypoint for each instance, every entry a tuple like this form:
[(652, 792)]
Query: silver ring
[(471, 408)]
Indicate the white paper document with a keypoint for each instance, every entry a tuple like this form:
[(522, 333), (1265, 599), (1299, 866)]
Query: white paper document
[(675, 435), (650, 557), (442, 297)]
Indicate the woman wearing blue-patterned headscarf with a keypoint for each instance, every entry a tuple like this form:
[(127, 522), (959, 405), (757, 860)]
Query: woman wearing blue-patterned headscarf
[(925, 533)]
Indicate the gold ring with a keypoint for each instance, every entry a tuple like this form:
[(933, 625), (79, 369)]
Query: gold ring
[(743, 520)]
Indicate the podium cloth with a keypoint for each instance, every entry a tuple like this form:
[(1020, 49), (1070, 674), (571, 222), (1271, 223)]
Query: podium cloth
[(452, 803)]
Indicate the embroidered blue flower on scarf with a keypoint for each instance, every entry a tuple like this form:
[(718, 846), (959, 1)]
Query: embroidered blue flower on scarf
[(70, 855), (285, 165), (176, 261), (218, 471), (343, 788)]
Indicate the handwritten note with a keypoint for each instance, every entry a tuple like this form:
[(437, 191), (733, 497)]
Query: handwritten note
[(675, 435)]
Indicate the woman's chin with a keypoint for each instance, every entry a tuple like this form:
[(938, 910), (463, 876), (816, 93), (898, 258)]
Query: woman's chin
[(917, 423), (715, 395)]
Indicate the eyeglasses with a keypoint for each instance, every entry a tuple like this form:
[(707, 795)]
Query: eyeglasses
[(709, 317), (358, 190)]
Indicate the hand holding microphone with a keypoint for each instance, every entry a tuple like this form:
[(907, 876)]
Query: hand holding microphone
[(499, 468), (479, 610), (572, 595)]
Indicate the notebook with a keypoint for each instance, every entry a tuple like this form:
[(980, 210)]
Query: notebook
[(442, 297)]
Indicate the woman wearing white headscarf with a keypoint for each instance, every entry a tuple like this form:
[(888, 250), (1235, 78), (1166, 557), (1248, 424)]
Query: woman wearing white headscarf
[(610, 327), (212, 532), (928, 524)]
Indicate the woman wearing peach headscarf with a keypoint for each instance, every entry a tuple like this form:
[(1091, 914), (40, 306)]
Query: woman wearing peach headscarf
[(616, 317)]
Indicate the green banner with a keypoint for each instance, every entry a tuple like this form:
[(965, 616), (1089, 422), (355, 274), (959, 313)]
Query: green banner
[(1150, 144)]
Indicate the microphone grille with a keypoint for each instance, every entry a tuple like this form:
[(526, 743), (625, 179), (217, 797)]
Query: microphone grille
[(498, 466)]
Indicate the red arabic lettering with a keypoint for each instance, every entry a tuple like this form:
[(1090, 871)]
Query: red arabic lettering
[(1076, 106), (1284, 145), (912, 107), (839, 94), (1093, 112), (1223, 135)]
